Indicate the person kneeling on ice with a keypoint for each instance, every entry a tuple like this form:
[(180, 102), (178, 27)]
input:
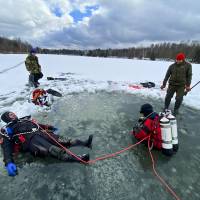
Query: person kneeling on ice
[(159, 129), (43, 97), (25, 135)]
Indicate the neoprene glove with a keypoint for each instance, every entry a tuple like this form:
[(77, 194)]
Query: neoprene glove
[(11, 169), (54, 129), (162, 87), (9, 131)]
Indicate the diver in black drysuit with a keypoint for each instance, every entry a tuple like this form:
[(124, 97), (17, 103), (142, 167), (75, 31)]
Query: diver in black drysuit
[(23, 134)]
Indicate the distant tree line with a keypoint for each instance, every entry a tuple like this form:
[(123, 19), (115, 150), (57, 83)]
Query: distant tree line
[(164, 51), (13, 46)]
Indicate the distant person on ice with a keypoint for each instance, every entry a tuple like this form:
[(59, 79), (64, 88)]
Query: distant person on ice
[(149, 125), (34, 68), (25, 135), (180, 76)]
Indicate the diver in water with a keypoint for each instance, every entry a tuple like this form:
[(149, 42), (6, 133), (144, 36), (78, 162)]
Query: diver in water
[(149, 125)]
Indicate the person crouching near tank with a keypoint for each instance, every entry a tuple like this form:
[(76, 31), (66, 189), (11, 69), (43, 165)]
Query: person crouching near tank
[(149, 125), (25, 135)]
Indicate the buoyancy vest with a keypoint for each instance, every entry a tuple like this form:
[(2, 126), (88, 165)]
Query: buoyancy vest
[(23, 130), (39, 97), (150, 126)]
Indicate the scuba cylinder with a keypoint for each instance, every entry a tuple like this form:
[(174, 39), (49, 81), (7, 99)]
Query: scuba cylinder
[(166, 134), (174, 131)]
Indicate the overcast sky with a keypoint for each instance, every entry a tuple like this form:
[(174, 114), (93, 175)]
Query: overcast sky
[(83, 24)]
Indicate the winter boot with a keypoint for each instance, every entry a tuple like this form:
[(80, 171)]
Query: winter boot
[(89, 142), (84, 157)]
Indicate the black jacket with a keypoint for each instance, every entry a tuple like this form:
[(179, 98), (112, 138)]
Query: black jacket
[(26, 129)]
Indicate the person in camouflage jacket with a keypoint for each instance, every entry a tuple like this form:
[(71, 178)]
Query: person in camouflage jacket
[(179, 75), (34, 68)]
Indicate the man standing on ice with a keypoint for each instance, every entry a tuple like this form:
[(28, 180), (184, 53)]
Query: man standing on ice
[(34, 68), (179, 75)]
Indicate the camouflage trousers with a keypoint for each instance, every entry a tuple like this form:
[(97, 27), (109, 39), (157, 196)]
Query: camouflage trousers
[(179, 90)]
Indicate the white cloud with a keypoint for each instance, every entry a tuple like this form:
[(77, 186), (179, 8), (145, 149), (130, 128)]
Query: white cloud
[(29, 19), (117, 23)]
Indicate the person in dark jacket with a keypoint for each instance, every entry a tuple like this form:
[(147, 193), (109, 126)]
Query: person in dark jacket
[(34, 68), (25, 135), (179, 75), (148, 125)]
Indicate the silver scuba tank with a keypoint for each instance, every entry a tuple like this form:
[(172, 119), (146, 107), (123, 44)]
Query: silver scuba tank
[(166, 133), (174, 131)]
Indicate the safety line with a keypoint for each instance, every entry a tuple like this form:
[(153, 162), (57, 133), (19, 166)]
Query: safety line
[(7, 69), (158, 176), (117, 153)]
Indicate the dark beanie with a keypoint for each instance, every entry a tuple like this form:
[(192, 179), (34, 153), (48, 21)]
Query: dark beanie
[(33, 50), (5, 117), (146, 109)]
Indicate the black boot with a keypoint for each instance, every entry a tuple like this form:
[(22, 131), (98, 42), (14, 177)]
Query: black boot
[(84, 157), (89, 142)]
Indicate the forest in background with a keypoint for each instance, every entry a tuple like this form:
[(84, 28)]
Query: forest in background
[(162, 51)]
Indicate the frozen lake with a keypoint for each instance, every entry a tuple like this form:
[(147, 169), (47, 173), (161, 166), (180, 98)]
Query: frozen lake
[(129, 176)]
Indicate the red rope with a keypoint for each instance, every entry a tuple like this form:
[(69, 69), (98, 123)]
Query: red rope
[(117, 153), (98, 158), (158, 176)]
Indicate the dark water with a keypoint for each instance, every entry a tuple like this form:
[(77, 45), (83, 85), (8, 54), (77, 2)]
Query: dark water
[(129, 176)]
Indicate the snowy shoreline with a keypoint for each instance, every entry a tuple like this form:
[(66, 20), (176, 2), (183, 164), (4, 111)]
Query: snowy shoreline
[(85, 74)]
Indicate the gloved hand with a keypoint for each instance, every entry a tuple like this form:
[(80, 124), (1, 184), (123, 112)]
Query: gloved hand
[(52, 128), (136, 128), (162, 87), (55, 129), (141, 119), (11, 169), (9, 131), (187, 88)]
